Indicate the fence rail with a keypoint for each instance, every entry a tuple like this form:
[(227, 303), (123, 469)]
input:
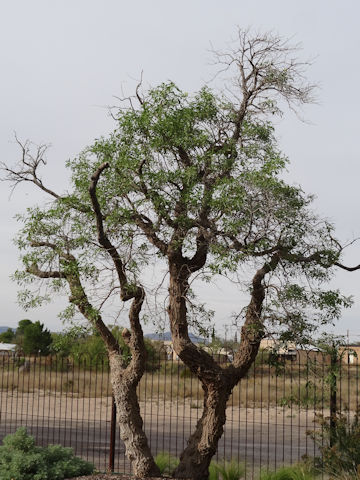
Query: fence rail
[(268, 415)]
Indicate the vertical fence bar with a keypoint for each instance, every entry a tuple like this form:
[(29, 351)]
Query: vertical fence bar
[(332, 380), (261, 374), (299, 404), (314, 397), (356, 361), (276, 416), (268, 412), (284, 402), (112, 435)]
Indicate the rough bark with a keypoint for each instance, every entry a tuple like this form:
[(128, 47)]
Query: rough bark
[(202, 444), (130, 420)]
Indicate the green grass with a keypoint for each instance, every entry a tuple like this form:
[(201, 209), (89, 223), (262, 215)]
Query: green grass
[(166, 462), (296, 472), (232, 470)]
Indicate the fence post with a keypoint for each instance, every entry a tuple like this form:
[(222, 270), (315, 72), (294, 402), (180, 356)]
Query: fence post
[(112, 435), (333, 374)]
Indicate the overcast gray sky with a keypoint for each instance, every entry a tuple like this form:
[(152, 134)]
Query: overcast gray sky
[(63, 61)]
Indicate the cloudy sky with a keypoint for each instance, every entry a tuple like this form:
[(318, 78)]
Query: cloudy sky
[(64, 61)]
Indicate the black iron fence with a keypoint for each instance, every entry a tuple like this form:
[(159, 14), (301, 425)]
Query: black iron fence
[(69, 402)]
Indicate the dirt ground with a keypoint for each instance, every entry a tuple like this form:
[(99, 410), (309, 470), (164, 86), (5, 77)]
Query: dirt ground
[(56, 406)]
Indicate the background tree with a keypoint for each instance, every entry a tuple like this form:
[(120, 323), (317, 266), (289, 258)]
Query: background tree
[(8, 336), (196, 182), (22, 325), (32, 338), (36, 339), (88, 348)]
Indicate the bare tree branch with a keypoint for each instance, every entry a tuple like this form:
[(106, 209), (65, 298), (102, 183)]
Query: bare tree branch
[(27, 168), (349, 269)]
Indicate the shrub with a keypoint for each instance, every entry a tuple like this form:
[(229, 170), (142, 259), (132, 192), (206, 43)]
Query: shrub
[(21, 459), (343, 455)]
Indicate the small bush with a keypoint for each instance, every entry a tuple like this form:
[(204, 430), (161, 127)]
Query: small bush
[(341, 455), (21, 459)]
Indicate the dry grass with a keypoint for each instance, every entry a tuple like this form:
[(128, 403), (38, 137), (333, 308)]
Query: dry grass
[(293, 387)]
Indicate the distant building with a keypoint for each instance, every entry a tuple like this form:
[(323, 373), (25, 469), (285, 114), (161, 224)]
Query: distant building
[(288, 351), (350, 354), (221, 355), (7, 348)]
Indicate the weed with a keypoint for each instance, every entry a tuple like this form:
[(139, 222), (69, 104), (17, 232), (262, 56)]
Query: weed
[(232, 470), (339, 445), (296, 472), (166, 462)]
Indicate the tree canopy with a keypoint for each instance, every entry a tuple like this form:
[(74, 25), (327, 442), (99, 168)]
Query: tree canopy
[(177, 178)]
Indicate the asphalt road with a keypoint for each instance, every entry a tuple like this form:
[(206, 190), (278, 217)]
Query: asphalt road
[(257, 443)]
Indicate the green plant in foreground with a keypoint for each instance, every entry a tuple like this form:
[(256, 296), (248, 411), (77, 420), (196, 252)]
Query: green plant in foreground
[(296, 472), (341, 455), (232, 470), (213, 473), (21, 459), (166, 462)]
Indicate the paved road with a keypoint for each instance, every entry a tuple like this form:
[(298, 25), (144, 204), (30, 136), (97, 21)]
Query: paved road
[(259, 444)]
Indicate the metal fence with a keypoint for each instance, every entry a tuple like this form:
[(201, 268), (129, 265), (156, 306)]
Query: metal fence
[(269, 414)]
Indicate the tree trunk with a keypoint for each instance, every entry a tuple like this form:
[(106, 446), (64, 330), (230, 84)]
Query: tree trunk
[(217, 385), (202, 444), (130, 421)]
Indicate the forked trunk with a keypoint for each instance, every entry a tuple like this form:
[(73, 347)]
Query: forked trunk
[(217, 382), (130, 421)]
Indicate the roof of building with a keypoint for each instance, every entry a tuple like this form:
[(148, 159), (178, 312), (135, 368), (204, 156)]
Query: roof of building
[(7, 346)]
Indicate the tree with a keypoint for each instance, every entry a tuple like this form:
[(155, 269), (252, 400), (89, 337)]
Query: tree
[(194, 181), (32, 338), (22, 325), (8, 336)]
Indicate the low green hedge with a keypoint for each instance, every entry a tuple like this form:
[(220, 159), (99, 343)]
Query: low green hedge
[(21, 459)]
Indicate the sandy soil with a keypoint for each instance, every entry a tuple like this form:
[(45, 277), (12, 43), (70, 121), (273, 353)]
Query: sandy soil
[(15, 405)]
